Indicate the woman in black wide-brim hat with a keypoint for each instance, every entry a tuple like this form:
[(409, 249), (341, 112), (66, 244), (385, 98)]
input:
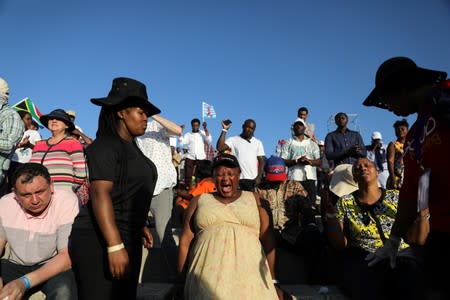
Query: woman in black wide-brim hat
[(61, 154), (107, 235)]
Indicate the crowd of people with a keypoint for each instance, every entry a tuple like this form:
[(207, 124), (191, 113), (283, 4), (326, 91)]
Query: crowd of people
[(76, 211)]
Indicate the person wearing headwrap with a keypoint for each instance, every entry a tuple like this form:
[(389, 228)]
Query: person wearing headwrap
[(11, 131)]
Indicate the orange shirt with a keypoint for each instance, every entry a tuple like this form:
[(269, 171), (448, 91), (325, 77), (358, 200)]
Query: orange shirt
[(206, 185)]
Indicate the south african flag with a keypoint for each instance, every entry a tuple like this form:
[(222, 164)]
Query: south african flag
[(27, 105)]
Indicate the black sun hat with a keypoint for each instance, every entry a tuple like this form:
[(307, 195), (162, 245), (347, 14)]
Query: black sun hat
[(126, 90), (393, 71), (58, 114)]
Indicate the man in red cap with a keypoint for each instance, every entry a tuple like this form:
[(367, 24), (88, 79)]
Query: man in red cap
[(404, 88), (292, 217)]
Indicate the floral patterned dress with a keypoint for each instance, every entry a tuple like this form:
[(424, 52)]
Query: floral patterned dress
[(227, 260)]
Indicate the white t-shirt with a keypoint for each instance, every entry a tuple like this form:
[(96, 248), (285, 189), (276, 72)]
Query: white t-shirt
[(195, 144), (23, 155), (247, 153)]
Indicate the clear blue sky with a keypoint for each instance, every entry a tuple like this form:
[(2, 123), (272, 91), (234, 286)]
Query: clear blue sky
[(249, 59)]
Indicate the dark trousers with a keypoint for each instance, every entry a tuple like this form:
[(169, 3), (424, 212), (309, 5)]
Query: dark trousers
[(189, 169), (90, 264), (437, 264), (61, 286), (380, 281), (310, 187)]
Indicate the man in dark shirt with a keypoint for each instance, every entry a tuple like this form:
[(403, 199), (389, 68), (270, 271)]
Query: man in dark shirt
[(343, 146)]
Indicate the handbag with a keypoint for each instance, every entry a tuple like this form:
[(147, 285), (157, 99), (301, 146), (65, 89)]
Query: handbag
[(83, 192)]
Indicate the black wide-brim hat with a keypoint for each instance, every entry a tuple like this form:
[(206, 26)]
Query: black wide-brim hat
[(126, 90), (58, 114), (394, 70)]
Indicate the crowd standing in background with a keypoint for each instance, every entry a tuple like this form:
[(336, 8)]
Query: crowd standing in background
[(335, 202)]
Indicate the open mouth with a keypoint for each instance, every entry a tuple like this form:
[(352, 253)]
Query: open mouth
[(226, 188)]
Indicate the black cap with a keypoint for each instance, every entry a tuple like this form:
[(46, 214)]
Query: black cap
[(226, 160), (393, 71)]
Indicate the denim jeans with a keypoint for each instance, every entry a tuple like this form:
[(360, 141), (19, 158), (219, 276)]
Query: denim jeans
[(59, 287)]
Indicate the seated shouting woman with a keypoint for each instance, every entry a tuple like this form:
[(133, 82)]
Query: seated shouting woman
[(227, 250), (359, 224)]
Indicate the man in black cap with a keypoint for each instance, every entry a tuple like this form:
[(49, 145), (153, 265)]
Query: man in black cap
[(404, 88)]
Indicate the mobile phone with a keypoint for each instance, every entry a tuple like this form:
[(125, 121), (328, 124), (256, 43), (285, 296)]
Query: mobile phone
[(227, 122)]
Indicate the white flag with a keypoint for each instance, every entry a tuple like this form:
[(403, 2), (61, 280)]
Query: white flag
[(208, 111)]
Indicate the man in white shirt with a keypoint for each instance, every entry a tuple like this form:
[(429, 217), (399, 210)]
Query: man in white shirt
[(248, 150), (194, 141), (155, 144), (376, 152), (302, 155)]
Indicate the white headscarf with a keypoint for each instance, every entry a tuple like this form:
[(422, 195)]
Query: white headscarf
[(4, 92)]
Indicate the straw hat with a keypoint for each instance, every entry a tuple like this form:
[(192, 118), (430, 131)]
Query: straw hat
[(342, 182)]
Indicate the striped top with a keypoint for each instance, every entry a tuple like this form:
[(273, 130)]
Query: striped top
[(65, 162)]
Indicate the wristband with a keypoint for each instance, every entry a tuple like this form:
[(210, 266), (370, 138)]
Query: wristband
[(115, 248), (26, 282), (224, 130)]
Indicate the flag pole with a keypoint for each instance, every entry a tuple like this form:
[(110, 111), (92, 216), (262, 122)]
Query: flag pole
[(203, 115)]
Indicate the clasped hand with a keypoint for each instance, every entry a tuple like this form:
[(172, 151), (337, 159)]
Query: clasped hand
[(389, 250), (13, 290)]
